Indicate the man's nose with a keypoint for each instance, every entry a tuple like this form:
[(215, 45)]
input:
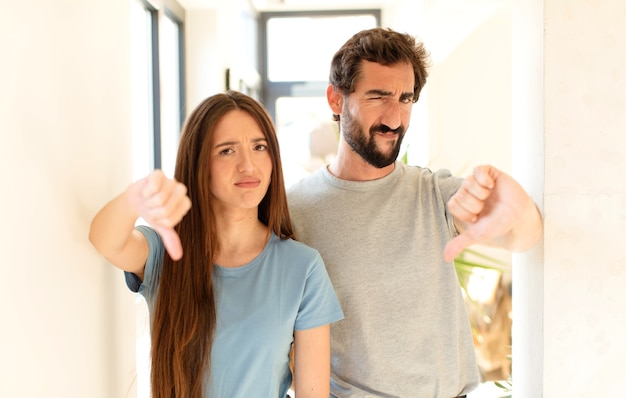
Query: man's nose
[(392, 117)]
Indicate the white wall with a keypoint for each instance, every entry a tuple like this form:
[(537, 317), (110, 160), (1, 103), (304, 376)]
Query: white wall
[(579, 98), (67, 321), (469, 99), (463, 117), (218, 37), (204, 71)]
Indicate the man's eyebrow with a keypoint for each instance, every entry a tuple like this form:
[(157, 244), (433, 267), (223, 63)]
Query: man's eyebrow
[(408, 95), (380, 92), (384, 93)]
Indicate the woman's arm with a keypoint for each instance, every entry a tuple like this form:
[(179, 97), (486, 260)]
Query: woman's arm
[(162, 202), (312, 362), (113, 234)]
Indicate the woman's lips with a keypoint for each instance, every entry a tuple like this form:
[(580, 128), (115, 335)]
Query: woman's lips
[(248, 183)]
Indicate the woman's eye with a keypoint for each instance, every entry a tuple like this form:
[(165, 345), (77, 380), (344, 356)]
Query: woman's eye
[(260, 147), (226, 151)]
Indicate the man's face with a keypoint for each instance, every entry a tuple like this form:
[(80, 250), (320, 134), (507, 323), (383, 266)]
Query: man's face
[(375, 116)]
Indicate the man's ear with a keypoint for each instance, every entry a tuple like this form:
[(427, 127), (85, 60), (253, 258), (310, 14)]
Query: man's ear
[(335, 99)]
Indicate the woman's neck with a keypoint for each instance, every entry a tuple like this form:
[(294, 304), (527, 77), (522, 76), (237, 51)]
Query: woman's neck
[(241, 239)]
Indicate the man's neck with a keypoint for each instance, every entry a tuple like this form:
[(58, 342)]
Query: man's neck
[(352, 167)]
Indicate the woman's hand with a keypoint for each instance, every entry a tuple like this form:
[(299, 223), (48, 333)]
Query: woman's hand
[(161, 202)]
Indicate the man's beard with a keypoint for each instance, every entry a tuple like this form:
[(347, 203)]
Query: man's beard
[(366, 146)]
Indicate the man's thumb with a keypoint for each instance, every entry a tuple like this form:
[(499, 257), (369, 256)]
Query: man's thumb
[(456, 246)]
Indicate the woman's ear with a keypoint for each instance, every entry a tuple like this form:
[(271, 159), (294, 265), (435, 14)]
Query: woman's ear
[(335, 99)]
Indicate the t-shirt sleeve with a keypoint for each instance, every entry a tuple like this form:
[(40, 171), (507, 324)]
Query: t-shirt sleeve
[(447, 185), (319, 305), (152, 270)]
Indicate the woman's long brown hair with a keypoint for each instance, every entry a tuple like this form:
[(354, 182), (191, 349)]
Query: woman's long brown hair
[(185, 314)]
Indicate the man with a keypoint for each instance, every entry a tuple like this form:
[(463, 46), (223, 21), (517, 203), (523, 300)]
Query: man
[(388, 233)]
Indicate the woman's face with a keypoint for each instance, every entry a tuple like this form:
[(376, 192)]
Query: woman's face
[(241, 164)]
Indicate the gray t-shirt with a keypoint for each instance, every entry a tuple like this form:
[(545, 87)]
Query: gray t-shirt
[(406, 332)]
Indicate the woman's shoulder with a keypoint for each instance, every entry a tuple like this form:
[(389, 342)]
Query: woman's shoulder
[(293, 245), (295, 249)]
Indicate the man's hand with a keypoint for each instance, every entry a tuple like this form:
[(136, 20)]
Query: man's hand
[(491, 207), (162, 203)]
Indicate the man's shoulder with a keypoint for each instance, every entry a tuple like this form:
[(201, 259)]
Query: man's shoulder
[(425, 173), (306, 185)]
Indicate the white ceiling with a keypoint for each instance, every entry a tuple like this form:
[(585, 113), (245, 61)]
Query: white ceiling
[(441, 24), (266, 5), (316, 4)]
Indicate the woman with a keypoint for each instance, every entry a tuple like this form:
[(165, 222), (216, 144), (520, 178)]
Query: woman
[(234, 290)]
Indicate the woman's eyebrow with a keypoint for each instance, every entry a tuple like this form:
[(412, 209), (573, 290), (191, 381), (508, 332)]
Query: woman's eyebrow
[(230, 143)]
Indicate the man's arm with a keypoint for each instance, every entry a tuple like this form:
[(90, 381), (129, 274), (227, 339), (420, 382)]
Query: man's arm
[(492, 208)]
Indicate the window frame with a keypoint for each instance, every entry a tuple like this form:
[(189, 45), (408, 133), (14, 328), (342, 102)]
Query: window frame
[(271, 91)]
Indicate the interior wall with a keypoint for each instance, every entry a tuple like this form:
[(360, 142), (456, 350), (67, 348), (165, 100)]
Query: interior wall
[(569, 301), (218, 38), (67, 319), (463, 117), (585, 197), (529, 168), (204, 71), (65, 149), (469, 99)]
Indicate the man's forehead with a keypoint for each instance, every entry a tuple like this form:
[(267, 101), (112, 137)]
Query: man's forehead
[(396, 78)]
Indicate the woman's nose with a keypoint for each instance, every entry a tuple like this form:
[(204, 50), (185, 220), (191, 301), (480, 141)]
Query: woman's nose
[(246, 163)]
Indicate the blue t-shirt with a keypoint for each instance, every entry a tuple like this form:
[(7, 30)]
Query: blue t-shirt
[(259, 305)]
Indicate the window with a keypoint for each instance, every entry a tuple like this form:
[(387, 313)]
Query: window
[(158, 87), (143, 90), (157, 116), (172, 89), (317, 39), (294, 72)]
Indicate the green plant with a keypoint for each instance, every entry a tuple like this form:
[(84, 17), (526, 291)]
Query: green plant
[(469, 259), (466, 265), (507, 388)]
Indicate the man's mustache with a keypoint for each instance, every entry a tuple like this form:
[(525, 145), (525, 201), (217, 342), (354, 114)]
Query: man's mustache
[(381, 128)]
